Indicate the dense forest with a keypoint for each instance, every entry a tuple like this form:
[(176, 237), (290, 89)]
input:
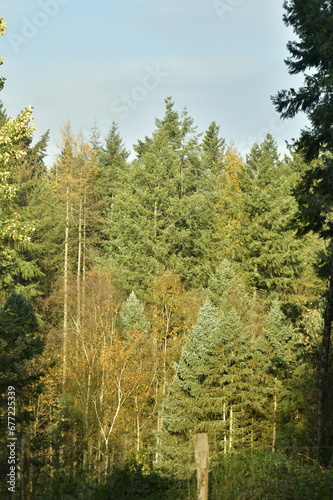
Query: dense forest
[(184, 290)]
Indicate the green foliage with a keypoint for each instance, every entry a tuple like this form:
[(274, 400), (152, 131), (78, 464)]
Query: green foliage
[(271, 254), (312, 22), (125, 483), (266, 475), (112, 160), (130, 482), (20, 343), (247, 475), (187, 218), (215, 389), (132, 315), (161, 217)]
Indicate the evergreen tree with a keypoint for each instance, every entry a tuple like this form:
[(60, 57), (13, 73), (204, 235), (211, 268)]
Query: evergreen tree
[(312, 22), (271, 252), (161, 213), (132, 315), (20, 378), (280, 347), (213, 146), (20, 341), (211, 391), (112, 160)]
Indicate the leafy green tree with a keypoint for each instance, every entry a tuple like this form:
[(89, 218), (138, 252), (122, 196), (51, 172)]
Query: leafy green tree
[(15, 229)]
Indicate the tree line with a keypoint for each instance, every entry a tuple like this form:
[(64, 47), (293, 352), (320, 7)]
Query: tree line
[(185, 290)]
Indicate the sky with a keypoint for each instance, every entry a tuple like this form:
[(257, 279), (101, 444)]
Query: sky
[(94, 63)]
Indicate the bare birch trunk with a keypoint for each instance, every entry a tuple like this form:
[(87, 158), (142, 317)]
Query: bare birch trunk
[(65, 317), (84, 236), (274, 415), (231, 430), (137, 424), (225, 434), (78, 282)]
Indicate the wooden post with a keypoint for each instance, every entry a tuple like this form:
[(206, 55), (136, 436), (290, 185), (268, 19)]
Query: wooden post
[(202, 464)]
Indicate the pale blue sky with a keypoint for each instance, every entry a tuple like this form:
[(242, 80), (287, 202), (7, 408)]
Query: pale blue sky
[(107, 61)]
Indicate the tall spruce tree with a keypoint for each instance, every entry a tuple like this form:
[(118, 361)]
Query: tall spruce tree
[(20, 379), (212, 389), (132, 315), (271, 253), (161, 212), (312, 21), (112, 159)]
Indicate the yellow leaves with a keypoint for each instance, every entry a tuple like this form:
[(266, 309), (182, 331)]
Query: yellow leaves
[(3, 26), (12, 133)]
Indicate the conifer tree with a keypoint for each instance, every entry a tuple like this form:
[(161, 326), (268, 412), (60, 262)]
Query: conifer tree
[(213, 146), (21, 371), (281, 353), (211, 391), (132, 315), (311, 21), (161, 215), (112, 159), (271, 251)]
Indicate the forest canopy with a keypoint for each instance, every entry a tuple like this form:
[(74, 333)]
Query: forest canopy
[(186, 289)]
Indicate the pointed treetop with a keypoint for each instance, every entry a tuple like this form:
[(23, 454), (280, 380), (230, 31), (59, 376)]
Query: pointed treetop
[(132, 315)]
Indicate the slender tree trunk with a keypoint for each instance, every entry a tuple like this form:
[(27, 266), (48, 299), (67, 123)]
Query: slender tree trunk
[(274, 415), (65, 318), (137, 424), (78, 281), (231, 428), (158, 440), (84, 236), (155, 219), (324, 367), (225, 434)]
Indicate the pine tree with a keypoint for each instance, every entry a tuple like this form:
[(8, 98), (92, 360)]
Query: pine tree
[(132, 315), (161, 213), (21, 372), (112, 159), (281, 351), (211, 391), (312, 22), (271, 252)]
